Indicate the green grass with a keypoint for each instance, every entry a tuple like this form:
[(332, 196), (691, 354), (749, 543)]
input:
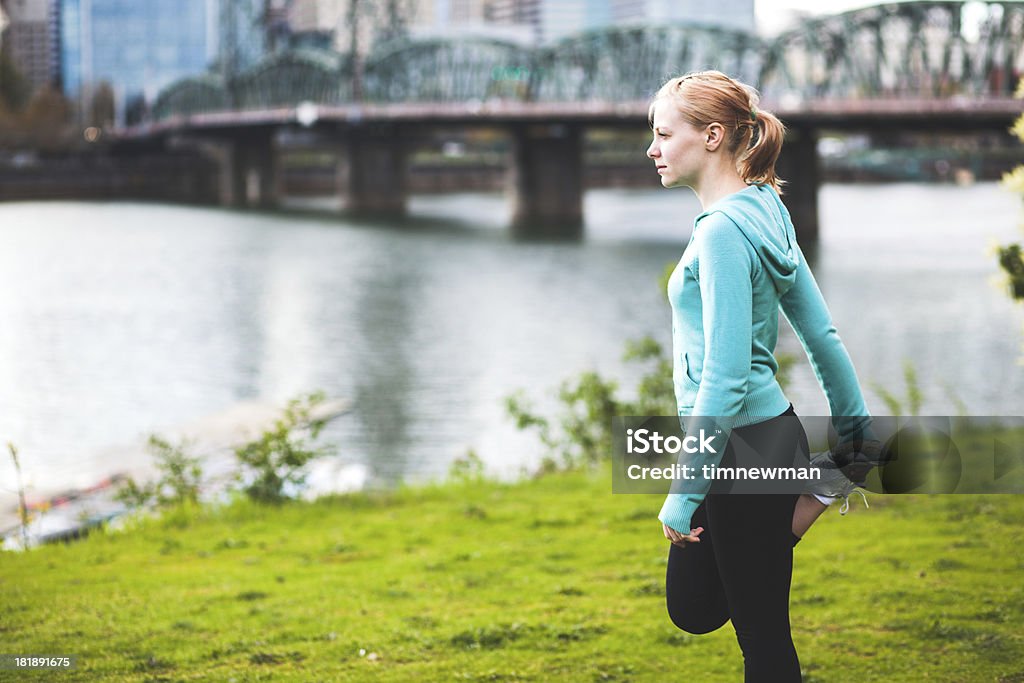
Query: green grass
[(548, 579)]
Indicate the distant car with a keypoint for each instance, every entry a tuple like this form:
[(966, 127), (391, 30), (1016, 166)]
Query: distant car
[(24, 159)]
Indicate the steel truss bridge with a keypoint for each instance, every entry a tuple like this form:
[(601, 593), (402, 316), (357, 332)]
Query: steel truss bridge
[(909, 65)]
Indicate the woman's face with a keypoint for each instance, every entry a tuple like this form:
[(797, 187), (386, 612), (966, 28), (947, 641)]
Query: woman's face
[(678, 148)]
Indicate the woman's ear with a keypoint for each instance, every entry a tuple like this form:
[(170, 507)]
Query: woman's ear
[(713, 136)]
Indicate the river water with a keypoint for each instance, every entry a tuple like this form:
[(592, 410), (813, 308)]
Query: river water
[(121, 319)]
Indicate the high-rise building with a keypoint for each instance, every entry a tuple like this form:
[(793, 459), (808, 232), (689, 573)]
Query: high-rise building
[(451, 18), (242, 34), (136, 47), (309, 26), (559, 19), (336, 24), (552, 20), (734, 14), (628, 10), (521, 13), (30, 40)]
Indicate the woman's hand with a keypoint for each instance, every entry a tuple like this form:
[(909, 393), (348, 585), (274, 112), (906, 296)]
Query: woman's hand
[(856, 458), (682, 539)]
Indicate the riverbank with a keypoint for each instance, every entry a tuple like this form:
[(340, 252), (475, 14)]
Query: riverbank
[(545, 579), (64, 514)]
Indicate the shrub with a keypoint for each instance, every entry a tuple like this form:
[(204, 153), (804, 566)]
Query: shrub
[(179, 481), (278, 458)]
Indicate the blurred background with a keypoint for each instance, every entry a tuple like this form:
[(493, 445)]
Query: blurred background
[(423, 206)]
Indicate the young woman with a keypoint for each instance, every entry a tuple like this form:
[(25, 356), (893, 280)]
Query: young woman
[(732, 555)]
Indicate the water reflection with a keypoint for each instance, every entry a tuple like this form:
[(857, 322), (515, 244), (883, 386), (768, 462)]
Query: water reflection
[(120, 319), (387, 302)]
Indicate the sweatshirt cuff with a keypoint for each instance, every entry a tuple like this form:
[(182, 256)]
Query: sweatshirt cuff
[(678, 510), (854, 428)]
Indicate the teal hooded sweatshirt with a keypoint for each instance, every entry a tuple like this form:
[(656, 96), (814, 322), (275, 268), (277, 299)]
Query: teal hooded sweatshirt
[(740, 267)]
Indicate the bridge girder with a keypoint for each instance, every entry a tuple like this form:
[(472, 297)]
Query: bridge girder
[(906, 49), (447, 70), (630, 63), (931, 48), (289, 77), (193, 95)]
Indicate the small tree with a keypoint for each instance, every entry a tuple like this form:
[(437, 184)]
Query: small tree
[(278, 458), (393, 21), (23, 514), (583, 435), (1010, 256), (179, 481), (47, 119), (101, 109)]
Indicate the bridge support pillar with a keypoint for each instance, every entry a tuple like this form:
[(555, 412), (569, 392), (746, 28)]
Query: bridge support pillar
[(373, 176), (798, 165), (546, 180), (252, 173)]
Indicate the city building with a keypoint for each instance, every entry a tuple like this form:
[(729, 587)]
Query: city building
[(525, 13), (136, 47), (30, 41), (561, 19), (734, 14), (552, 20), (515, 20), (246, 31), (335, 24), (312, 24), (628, 10), (479, 18)]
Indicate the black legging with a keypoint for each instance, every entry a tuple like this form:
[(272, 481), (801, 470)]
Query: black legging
[(742, 567)]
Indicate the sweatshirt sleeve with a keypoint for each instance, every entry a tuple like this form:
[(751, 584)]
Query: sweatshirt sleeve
[(724, 269), (805, 309)]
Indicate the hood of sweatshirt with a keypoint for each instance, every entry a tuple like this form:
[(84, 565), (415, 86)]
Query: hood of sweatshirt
[(762, 217)]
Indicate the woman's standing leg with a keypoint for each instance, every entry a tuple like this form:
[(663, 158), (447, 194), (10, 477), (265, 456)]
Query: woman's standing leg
[(754, 554)]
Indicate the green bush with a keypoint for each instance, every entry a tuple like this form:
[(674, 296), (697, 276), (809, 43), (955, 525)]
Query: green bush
[(1010, 256), (179, 480), (279, 457), (582, 435)]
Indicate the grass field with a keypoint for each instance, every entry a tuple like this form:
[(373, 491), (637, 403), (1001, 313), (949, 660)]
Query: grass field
[(547, 579)]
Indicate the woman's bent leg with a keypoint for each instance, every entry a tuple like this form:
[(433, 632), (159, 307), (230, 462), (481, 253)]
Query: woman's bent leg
[(743, 566), (693, 590)]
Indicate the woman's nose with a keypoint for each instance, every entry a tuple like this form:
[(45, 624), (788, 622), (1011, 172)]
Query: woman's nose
[(652, 151)]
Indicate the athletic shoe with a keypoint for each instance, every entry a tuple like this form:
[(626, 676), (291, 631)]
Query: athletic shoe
[(839, 482)]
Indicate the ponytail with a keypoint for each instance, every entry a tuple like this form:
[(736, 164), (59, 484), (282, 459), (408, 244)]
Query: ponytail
[(757, 164)]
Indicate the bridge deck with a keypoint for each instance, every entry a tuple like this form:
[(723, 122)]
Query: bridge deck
[(849, 114)]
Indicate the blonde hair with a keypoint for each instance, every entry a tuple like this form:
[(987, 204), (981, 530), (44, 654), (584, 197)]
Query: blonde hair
[(754, 136)]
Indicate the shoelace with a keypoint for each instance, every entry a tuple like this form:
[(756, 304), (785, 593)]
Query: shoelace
[(846, 501)]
